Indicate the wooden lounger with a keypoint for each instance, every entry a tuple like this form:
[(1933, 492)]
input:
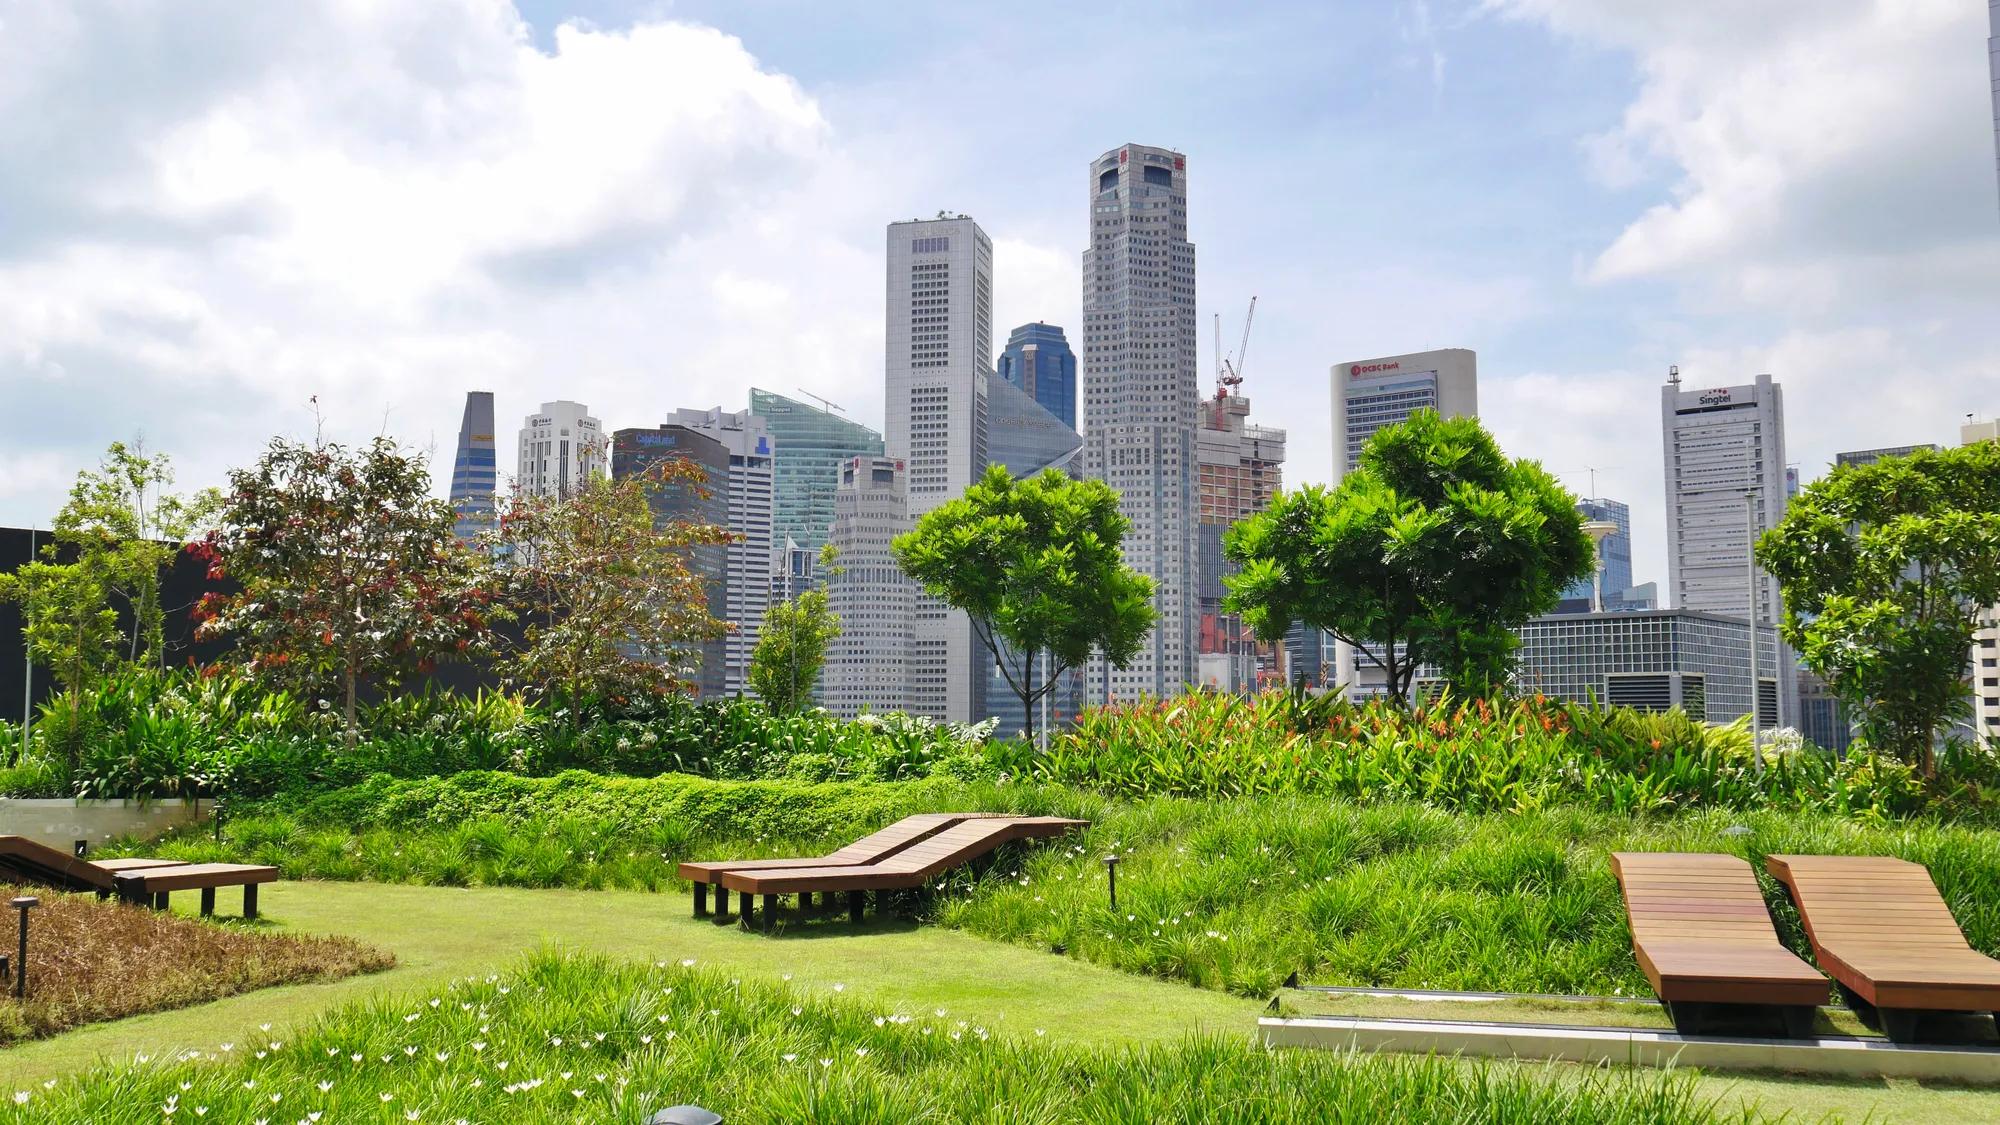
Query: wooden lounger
[(1879, 926), (911, 867), (150, 881), (872, 848), (1705, 941)]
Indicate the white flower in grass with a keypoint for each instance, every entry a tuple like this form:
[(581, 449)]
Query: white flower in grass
[(263, 1027), (939, 1013), (356, 1058), (249, 1083), (645, 1041), (387, 1097), (824, 1063), (201, 1111), (410, 1116), (441, 1056), (21, 1097), (555, 1040), (227, 1047), (478, 1045), (861, 1052), (262, 1054), (324, 1086), (434, 1001), (879, 1021), (578, 1094), (785, 976), (410, 1051), (790, 1058), (566, 1075), (186, 1086), (687, 962), (839, 987)]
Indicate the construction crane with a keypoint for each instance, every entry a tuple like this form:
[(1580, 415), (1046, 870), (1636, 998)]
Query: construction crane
[(1228, 372), (828, 406)]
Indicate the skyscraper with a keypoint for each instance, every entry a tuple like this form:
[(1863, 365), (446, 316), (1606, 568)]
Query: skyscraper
[(938, 354), (1139, 394), (475, 475), (869, 666), (1993, 68), (636, 451), (1985, 664), (747, 583), (1724, 450), (1023, 436), (1370, 395), (1614, 556), (1240, 466), (809, 445), (561, 446), (1038, 360)]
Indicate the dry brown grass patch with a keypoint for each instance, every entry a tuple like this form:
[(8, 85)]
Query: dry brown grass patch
[(92, 960)]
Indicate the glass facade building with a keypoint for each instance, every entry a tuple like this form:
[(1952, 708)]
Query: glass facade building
[(808, 447), (633, 453), (1615, 557), (1652, 660), (475, 474), (1038, 360)]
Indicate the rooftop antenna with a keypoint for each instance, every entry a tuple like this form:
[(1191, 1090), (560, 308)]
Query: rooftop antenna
[(826, 404), (1674, 375)]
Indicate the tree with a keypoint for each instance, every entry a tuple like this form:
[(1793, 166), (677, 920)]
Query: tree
[(125, 526), (1432, 551), (791, 647), (1884, 569), (348, 570), (71, 629), (1037, 565), (608, 600)]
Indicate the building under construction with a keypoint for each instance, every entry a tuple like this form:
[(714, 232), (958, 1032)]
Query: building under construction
[(1239, 468)]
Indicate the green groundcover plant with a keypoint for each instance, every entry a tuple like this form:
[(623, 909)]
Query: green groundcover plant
[(571, 1039)]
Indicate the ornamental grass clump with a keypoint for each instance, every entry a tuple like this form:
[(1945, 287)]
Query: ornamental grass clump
[(575, 1039), (92, 960)]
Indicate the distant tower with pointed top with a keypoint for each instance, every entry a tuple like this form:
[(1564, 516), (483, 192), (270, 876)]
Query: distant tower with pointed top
[(474, 472)]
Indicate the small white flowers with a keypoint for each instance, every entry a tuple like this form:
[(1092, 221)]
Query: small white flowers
[(21, 1097), (861, 1052), (687, 963), (838, 987)]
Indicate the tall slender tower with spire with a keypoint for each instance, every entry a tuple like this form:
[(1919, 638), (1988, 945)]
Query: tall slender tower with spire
[(474, 472)]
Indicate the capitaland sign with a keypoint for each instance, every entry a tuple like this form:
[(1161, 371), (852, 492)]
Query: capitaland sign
[(1360, 369)]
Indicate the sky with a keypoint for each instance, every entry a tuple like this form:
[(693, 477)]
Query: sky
[(221, 222)]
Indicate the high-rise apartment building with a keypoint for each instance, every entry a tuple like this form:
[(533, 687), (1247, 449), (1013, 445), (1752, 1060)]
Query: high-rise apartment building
[(1724, 450), (1140, 392), (1370, 395), (1985, 666), (635, 453), (1038, 360), (747, 583), (1239, 467), (475, 474), (938, 355), (869, 666), (561, 446), (809, 446)]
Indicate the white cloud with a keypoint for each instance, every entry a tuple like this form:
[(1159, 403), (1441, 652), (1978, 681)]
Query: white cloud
[(386, 205)]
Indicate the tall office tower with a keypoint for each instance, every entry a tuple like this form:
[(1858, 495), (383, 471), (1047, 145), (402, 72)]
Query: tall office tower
[(1724, 450), (635, 452), (561, 446), (747, 592), (1370, 395), (869, 666), (1240, 467), (938, 353), (809, 445), (1038, 360), (1986, 641), (1993, 68), (475, 476), (1139, 394), (1614, 558)]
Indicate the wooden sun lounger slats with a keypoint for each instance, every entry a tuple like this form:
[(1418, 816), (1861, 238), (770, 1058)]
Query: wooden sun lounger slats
[(137, 879), (1703, 936), (868, 849), (911, 867), (1879, 926), (39, 863)]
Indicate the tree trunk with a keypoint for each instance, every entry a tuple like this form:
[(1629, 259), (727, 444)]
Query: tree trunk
[(350, 707), (1027, 698)]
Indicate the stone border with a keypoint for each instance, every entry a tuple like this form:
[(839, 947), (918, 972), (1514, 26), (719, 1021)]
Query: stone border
[(1833, 1057)]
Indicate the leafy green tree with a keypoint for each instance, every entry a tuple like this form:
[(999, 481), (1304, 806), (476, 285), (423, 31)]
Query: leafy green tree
[(791, 647), (1432, 551), (609, 603), (1884, 569), (348, 570), (71, 629), (1037, 565), (124, 525)]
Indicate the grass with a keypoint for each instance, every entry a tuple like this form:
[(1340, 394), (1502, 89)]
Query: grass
[(90, 961), (444, 934), (567, 1038)]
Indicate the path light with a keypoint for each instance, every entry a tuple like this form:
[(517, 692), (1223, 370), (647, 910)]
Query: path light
[(685, 1115), (82, 848), (1111, 870), (24, 904)]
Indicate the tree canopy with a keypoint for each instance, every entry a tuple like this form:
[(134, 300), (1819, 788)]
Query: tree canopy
[(791, 646), (1431, 551), (1038, 566), (1884, 569)]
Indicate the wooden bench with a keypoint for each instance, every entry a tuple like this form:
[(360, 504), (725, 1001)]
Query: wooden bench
[(872, 848), (150, 881), (1879, 926), (912, 866), (1704, 939)]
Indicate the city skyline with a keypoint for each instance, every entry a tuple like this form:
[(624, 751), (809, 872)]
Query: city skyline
[(1532, 178)]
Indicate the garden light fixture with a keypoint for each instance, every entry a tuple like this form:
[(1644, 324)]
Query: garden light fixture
[(1111, 871), (24, 903)]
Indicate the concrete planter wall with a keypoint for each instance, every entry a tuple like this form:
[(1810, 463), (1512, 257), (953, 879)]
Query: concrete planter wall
[(61, 822)]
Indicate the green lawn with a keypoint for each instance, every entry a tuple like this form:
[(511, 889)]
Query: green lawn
[(443, 933)]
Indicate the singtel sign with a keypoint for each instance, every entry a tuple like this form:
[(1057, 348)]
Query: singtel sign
[(1717, 397)]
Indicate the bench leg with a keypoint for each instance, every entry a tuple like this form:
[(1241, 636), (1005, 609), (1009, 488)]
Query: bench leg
[(1900, 1024), (770, 912), (722, 914), (700, 899), (208, 902), (1690, 1017), (161, 900), (745, 910), (249, 900), (854, 901)]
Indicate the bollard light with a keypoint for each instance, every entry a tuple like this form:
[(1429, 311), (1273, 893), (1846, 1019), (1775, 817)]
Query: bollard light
[(24, 904), (1111, 872), (685, 1115), (82, 849)]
